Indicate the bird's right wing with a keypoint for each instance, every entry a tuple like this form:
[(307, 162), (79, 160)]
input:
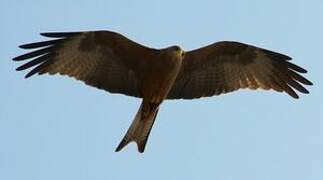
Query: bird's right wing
[(228, 66), (103, 59)]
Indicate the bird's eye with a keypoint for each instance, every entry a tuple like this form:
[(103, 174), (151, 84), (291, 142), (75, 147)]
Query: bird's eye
[(177, 48)]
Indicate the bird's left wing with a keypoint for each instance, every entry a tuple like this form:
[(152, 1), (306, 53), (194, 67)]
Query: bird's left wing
[(228, 66), (103, 59)]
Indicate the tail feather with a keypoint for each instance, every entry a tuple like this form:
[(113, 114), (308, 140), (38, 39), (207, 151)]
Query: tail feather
[(139, 129)]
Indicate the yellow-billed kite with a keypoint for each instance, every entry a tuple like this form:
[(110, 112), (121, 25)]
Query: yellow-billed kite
[(110, 61)]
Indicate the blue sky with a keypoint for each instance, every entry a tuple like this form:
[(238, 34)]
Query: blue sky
[(53, 127)]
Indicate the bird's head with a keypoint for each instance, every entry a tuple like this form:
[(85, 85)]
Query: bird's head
[(177, 50)]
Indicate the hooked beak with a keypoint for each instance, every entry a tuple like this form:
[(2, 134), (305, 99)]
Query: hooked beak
[(182, 53)]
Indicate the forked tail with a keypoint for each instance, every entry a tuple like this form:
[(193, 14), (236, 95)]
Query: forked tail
[(140, 127)]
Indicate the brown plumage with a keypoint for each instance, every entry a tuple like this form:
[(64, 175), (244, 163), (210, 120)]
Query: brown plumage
[(110, 61)]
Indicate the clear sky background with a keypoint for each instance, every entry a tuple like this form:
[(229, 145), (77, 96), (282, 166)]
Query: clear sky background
[(56, 128)]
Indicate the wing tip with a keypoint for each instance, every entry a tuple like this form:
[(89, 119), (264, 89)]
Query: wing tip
[(287, 57), (15, 58), (276, 55), (23, 46), (20, 68), (41, 44), (296, 67), (28, 75), (294, 95), (59, 34), (309, 83)]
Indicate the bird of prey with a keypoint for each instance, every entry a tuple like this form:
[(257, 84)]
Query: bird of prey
[(108, 60)]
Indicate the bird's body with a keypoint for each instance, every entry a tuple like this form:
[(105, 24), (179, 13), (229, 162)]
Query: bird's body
[(112, 62), (158, 74)]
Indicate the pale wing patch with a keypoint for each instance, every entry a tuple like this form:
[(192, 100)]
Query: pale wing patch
[(259, 72), (69, 60)]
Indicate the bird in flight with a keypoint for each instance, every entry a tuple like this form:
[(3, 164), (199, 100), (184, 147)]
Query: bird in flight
[(108, 60)]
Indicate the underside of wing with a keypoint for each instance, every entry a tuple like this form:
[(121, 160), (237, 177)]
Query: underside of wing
[(228, 66), (102, 59)]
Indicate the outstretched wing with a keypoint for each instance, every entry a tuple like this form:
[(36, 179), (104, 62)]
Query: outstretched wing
[(228, 66), (103, 59)]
